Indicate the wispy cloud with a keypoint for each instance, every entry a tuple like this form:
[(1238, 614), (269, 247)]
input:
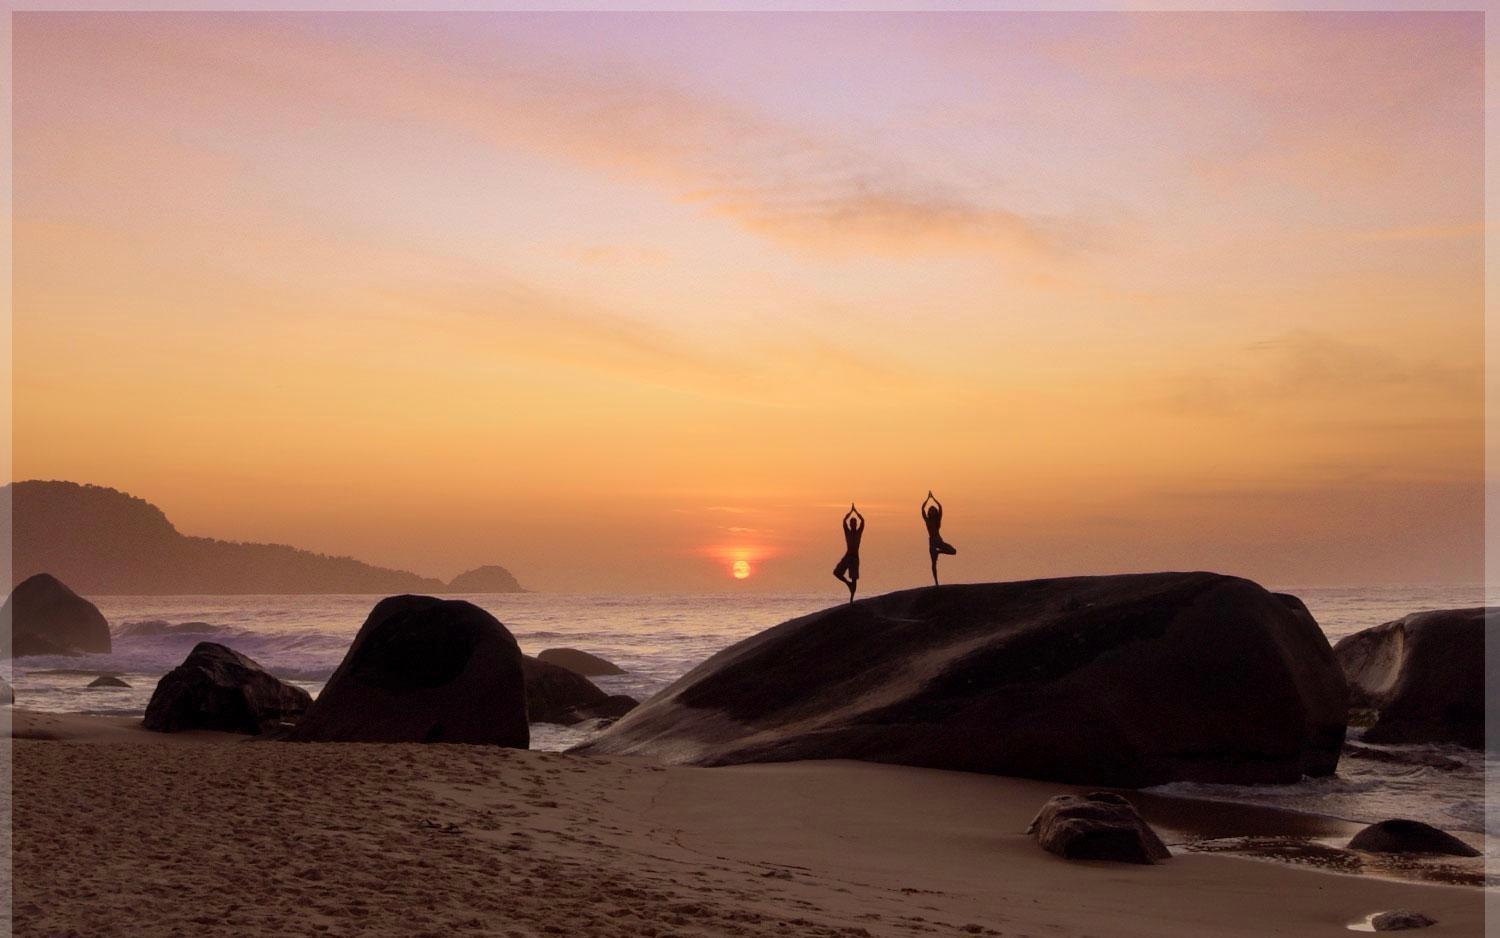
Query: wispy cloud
[(1312, 370), (1346, 99), (806, 189)]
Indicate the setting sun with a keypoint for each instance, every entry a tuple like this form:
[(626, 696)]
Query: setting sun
[(741, 569)]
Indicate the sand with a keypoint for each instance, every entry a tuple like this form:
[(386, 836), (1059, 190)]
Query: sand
[(122, 832)]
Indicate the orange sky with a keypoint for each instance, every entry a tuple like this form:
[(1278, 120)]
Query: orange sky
[(615, 300)]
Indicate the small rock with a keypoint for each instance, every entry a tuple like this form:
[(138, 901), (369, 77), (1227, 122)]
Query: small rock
[(107, 680), (1098, 826), (1404, 836), (1400, 920)]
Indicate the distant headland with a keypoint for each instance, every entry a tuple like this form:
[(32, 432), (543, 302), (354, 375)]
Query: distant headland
[(102, 541)]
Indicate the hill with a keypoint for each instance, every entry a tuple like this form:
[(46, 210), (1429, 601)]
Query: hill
[(101, 541), (486, 579)]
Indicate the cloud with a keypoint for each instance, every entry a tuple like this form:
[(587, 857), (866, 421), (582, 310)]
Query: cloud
[(803, 188), (1308, 374), (1412, 233), (1346, 99), (867, 214)]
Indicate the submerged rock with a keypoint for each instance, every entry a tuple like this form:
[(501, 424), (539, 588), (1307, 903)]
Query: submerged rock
[(151, 627), (1099, 826), (107, 680), (1119, 680), (580, 662), (43, 617), (424, 670), (1427, 757), (1411, 837), (610, 708), (1423, 674), (217, 688)]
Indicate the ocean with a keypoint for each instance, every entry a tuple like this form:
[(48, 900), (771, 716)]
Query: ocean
[(658, 638)]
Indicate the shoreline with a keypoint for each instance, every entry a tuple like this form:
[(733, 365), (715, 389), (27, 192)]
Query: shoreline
[(118, 830), (1195, 817)]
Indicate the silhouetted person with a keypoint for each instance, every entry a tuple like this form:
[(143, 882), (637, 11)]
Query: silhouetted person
[(847, 572), (933, 517)]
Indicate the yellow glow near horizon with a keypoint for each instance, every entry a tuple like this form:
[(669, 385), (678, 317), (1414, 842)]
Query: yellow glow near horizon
[(741, 569), (589, 296)]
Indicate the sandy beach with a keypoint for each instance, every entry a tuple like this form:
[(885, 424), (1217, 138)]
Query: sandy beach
[(122, 832)]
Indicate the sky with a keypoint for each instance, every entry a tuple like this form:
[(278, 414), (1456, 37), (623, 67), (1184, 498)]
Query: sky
[(617, 300)]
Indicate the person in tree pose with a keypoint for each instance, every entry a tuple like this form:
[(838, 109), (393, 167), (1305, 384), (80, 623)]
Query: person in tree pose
[(932, 516), (847, 572)]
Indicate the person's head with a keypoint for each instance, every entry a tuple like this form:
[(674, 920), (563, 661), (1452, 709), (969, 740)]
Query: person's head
[(852, 522), (930, 511)]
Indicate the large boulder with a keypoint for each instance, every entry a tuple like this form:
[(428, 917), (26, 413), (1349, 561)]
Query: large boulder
[(1098, 826), (424, 670), (44, 617), (1409, 837), (557, 695), (1117, 680), (580, 662), (217, 688), (1424, 674)]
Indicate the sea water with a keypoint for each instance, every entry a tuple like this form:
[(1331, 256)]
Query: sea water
[(657, 639)]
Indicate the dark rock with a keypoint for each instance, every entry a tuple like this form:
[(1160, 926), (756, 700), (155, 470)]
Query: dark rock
[(7, 692), (424, 670), (1099, 826), (580, 662), (1400, 920), (1120, 680), (487, 579), (217, 688), (1424, 674), (557, 695), (107, 680), (1403, 836), (44, 617)]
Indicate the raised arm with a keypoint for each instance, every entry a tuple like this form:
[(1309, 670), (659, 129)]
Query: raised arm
[(855, 512)]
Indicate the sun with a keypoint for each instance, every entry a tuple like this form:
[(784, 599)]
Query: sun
[(741, 569)]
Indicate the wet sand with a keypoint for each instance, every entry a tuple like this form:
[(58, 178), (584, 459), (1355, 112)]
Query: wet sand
[(122, 832)]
